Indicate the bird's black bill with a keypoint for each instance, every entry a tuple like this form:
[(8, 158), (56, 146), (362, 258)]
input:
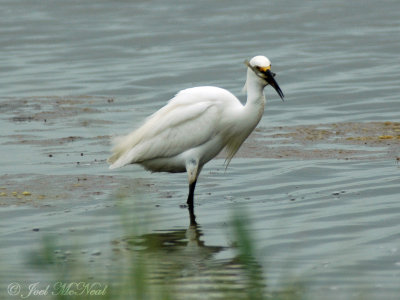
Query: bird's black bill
[(269, 77)]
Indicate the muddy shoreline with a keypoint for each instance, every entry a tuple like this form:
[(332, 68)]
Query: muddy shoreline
[(36, 119)]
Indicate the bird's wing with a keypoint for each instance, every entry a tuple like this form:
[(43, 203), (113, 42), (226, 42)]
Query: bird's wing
[(187, 121)]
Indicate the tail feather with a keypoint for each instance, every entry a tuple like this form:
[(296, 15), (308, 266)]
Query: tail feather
[(116, 164), (122, 148), (124, 158), (112, 159)]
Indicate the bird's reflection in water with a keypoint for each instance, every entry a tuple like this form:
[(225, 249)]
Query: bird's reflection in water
[(181, 259)]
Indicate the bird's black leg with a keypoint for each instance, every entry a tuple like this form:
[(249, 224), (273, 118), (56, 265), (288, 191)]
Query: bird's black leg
[(190, 203), (191, 193)]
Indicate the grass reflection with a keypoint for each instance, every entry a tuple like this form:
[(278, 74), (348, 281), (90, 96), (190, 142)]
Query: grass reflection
[(170, 264)]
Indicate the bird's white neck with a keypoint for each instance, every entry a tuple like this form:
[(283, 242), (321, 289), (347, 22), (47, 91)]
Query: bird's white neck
[(255, 95)]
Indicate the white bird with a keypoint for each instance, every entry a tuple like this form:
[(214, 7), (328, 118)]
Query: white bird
[(195, 126)]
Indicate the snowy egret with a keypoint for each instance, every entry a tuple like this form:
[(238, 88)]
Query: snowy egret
[(195, 126)]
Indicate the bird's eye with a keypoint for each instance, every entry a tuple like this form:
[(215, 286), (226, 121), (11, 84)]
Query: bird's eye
[(262, 69)]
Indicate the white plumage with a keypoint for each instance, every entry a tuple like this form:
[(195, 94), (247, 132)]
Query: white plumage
[(195, 126)]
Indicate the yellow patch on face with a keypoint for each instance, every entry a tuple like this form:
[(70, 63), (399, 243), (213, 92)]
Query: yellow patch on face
[(264, 69)]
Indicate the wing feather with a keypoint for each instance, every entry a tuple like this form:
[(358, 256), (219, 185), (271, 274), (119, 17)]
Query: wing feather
[(187, 121)]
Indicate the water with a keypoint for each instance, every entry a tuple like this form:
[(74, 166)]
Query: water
[(318, 178)]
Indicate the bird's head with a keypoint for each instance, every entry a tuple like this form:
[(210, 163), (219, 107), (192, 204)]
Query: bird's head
[(261, 67)]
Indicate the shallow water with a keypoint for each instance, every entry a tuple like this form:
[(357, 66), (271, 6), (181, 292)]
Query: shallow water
[(319, 178)]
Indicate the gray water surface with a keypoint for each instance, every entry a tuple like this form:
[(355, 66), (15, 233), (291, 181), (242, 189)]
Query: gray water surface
[(319, 179)]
